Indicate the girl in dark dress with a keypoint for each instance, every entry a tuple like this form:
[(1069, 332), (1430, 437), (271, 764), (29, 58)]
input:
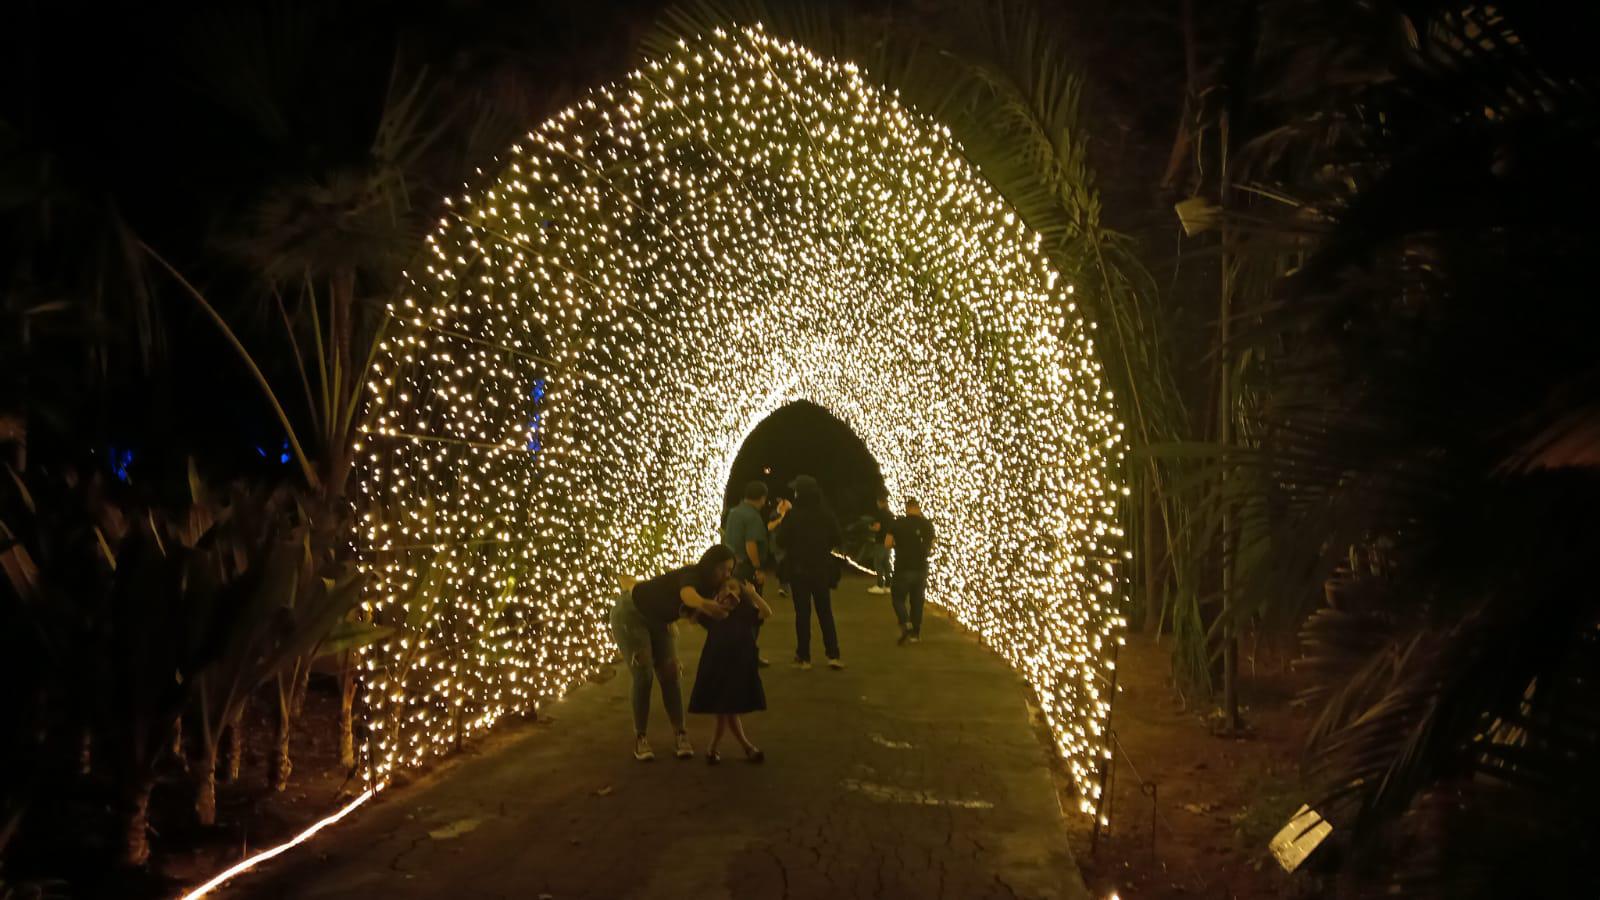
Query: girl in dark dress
[(728, 682)]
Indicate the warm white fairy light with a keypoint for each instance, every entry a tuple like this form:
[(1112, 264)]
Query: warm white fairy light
[(256, 859), (731, 228)]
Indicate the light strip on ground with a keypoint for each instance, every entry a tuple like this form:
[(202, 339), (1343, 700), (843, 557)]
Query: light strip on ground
[(857, 566), (253, 861)]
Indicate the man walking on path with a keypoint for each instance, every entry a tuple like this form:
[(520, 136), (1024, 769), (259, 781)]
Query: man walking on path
[(878, 550), (911, 538)]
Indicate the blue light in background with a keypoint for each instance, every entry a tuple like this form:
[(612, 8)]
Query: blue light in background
[(536, 421), (281, 453), (120, 458)]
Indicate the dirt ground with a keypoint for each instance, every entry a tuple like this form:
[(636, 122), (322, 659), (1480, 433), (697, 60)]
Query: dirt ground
[(65, 847), (1191, 813), (250, 816)]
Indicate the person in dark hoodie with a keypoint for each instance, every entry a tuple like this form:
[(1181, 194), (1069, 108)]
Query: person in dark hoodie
[(808, 535)]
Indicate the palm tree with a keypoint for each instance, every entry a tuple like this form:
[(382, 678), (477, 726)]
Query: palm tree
[(1416, 453), (322, 250)]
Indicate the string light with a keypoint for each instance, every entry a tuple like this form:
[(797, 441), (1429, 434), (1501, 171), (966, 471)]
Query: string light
[(251, 862), (735, 226), (853, 564)]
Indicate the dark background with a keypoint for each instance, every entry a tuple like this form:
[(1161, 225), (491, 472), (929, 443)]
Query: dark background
[(805, 439), (179, 117)]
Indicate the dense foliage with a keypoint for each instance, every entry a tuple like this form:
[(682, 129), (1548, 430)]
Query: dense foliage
[(1364, 395), (202, 214), (1404, 196)]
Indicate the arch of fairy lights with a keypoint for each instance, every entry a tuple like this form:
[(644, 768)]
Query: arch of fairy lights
[(733, 227)]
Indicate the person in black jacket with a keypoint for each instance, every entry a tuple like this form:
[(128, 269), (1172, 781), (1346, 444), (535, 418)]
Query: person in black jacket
[(808, 536)]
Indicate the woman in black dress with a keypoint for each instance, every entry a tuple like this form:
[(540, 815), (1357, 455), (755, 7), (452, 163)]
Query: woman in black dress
[(728, 682)]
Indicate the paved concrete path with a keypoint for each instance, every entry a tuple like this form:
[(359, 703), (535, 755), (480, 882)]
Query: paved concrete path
[(912, 773)]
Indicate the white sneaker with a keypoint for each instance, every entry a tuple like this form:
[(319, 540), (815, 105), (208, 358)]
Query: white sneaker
[(642, 751), (835, 664), (682, 749), (877, 589), (803, 664)]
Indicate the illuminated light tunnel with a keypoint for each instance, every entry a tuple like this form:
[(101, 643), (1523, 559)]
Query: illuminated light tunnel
[(592, 336)]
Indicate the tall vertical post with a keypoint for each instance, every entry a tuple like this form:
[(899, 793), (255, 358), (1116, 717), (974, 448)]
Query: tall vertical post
[(1147, 534), (1230, 637)]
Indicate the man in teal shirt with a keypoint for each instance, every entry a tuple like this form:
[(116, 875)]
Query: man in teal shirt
[(745, 530)]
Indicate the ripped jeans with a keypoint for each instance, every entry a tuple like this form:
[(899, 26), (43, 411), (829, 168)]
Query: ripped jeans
[(650, 650)]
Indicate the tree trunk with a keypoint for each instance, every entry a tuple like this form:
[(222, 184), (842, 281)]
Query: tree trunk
[(13, 819), (177, 745), (347, 701), (1230, 634), (341, 338), (136, 823), (1182, 139), (279, 769), (205, 785), (302, 684), (14, 431), (233, 747), (1153, 605)]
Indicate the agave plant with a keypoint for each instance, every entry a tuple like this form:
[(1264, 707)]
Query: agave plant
[(274, 608), (101, 592), (48, 544), (317, 623)]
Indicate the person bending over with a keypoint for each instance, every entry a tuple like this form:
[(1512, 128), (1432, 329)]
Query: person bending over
[(643, 623)]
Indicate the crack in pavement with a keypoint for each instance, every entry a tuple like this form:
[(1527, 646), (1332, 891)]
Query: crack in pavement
[(415, 843)]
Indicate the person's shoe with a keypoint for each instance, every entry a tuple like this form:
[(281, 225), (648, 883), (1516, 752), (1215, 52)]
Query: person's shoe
[(762, 662), (915, 638), (877, 589), (642, 751), (713, 757), (682, 749), (905, 635), (754, 755), (783, 591), (835, 664), (803, 664)]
